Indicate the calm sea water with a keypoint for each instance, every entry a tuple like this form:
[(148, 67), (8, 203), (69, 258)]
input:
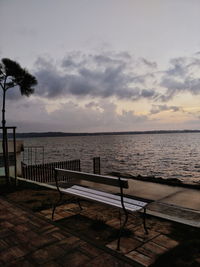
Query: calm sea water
[(162, 155)]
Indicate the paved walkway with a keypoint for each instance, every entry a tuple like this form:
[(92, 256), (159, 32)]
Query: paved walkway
[(28, 240), (175, 195), (175, 203)]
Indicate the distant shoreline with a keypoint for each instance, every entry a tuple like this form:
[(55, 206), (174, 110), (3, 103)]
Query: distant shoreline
[(63, 134)]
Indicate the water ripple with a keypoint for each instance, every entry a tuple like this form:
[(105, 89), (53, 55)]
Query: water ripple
[(167, 155)]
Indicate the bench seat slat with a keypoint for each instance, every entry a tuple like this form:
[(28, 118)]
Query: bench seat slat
[(98, 198), (103, 200), (108, 195)]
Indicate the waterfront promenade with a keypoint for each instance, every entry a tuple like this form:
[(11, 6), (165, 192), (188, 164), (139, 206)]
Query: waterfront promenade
[(32, 239), (27, 239), (176, 203)]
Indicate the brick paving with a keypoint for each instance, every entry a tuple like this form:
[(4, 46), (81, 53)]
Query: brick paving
[(30, 239), (141, 248)]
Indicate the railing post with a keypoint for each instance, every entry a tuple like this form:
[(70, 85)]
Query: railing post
[(96, 165)]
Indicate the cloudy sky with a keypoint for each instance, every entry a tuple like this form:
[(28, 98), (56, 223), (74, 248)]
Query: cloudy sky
[(104, 65)]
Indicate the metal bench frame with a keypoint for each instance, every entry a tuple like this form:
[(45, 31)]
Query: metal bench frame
[(79, 191)]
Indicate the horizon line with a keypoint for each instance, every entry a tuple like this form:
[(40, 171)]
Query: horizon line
[(58, 133)]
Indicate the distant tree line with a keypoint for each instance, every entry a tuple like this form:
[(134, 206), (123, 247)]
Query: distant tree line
[(60, 134)]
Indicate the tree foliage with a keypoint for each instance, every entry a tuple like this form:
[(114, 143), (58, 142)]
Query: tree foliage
[(13, 75)]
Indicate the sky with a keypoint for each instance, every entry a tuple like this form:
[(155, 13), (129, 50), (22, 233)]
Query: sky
[(104, 65)]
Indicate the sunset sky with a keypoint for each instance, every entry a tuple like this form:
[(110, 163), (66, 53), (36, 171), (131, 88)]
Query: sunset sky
[(104, 65)]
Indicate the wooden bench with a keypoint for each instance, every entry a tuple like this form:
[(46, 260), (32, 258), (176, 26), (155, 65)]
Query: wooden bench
[(127, 204)]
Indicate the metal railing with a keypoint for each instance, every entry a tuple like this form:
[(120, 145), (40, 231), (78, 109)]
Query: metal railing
[(33, 155), (44, 173)]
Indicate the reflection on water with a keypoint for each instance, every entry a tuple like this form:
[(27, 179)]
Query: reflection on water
[(166, 155)]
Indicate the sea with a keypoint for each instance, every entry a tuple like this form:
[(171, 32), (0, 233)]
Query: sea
[(168, 155)]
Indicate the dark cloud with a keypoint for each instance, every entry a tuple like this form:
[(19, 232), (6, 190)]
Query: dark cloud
[(175, 87), (82, 75), (148, 93), (112, 59), (44, 62), (99, 78), (159, 108), (143, 79), (50, 83), (73, 60), (69, 63), (149, 63), (113, 74), (92, 105), (179, 67), (181, 77)]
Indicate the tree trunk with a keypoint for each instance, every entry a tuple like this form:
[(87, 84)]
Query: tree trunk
[(5, 141)]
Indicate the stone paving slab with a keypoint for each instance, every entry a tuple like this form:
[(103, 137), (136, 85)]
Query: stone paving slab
[(149, 190), (186, 198), (175, 213), (140, 258), (144, 250)]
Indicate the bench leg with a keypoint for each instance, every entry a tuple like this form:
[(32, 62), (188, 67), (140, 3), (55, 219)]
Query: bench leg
[(55, 205), (120, 219), (121, 229), (79, 204), (144, 222)]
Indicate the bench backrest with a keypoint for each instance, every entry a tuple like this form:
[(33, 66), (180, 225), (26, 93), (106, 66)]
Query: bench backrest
[(101, 179)]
